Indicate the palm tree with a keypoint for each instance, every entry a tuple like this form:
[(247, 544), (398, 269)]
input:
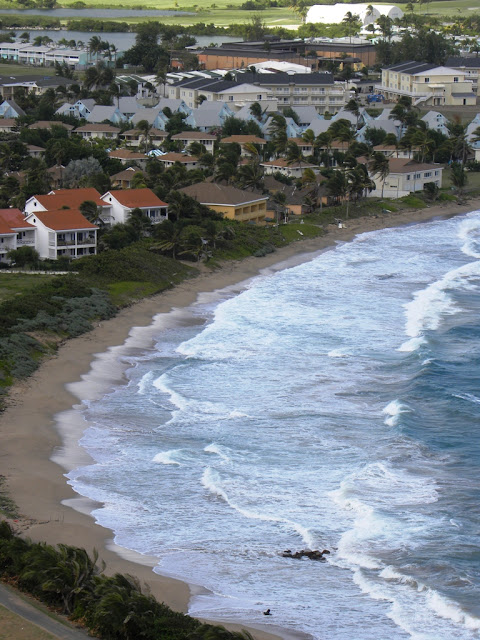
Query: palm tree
[(380, 166), (458, 140), (353, 105), (169, 236), (278, 131), (458, 177), (256, 110), (250, 176), (145, 127), (91, 212), (95, 46)]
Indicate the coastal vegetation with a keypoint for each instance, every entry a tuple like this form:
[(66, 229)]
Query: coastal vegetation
[(73, 583)]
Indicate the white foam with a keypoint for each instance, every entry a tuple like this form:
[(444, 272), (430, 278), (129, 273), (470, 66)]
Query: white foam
[(166, 457), (394, 410), (336, 353), (218, 450), (467, 396), (429, 305), (469, 232)]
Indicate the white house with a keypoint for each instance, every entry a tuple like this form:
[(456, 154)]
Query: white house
[(406, 176), (122, 202), (368, 14), (64, 199), (95, 131), (15, 232), (293, 170), (187, 137), (63, 233)]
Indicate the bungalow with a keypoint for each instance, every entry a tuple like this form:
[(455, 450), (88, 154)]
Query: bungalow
[(243, 140), (305, 147), (100, 113), (98, 131), (34, 151), (64, 232), (233, 203), (15, 232), (187, 137), (136, 138), (123, 202), (123, 179), (169, 159), (128, 157), (390, 150), (10, 109), (8, 125), (45, 125), (293, 170)]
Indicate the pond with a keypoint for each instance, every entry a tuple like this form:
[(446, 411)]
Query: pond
[(122, 41)]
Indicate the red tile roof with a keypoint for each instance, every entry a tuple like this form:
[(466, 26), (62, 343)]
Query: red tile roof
[(71, 198), (5, 228), (132, 198), (14, 218), (64, 220)]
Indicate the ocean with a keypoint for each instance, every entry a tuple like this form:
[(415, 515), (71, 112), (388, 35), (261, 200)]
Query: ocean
[(333, 404)]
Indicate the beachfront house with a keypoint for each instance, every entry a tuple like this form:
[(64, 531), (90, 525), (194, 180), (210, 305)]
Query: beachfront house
[(15, 232), (63, 233), (231, 202), (405, 176), (122, 203)]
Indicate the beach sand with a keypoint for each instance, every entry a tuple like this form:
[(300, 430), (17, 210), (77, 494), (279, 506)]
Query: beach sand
[(28, 434)]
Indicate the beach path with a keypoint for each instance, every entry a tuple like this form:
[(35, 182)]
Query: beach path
[(14, 602)]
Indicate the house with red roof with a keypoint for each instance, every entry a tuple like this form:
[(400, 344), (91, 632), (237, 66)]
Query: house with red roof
[(122, 202), (15, 232), (63, 232), (67, 199)]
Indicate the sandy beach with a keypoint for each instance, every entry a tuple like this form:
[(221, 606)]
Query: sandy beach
[(29, 437)]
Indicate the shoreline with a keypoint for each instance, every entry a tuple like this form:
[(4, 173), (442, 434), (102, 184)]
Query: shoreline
[(31, 444)]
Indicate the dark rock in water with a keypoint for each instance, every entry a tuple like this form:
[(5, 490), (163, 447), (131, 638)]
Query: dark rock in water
[(306, 553)]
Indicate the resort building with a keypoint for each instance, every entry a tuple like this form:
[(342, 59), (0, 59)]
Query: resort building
[(291, 170), (64, 199), (169, 159), (98, 131), (64, 232), (15, 232), (405, 176), (122, 203), (187, 137), (427, 84), (233, 203)]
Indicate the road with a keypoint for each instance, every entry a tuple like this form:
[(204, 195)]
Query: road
[(15, 603)]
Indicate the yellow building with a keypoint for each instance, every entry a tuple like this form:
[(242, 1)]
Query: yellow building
[(232, 203)]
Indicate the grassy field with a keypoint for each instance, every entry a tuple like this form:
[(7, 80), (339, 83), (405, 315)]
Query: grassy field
[(22, 70), (13, 627), (14, 284)]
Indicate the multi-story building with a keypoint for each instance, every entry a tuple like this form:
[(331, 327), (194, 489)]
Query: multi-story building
[(427, 84)]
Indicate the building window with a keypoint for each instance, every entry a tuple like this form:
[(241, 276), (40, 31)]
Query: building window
[(427, 79), (259, 96), (408, 177), (455, 79), (427, 174)]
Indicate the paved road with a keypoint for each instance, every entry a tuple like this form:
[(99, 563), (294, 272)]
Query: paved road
[(12, 601)]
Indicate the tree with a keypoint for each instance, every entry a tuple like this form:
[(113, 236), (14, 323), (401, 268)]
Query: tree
[(458, 177), (353, 105), (380, 166), (256, 110), (24, 256), (77, 170), (145, 127), (250, 176), (278, 132), (92, 212)]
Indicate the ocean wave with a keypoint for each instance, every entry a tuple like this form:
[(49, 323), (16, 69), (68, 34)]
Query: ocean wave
[(394, 410), (429, 305), (337, 353), (469, 232), (219, 451), (167, 457), (212, 482), (467, 396)]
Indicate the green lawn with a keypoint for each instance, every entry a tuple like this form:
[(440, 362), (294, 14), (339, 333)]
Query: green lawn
[(14, 627), (23, 70), (13, 284)]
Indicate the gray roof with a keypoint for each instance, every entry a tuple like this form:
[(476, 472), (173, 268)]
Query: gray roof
[(459, 61), (306, 114), (146, 114), (206, 117), (127, 104), (15, 106), (212, 193), (412, 67), (268, 79), (88, 103), (100, 113)]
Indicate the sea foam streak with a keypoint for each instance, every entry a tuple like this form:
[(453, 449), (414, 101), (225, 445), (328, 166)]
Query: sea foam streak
[(425, 311)]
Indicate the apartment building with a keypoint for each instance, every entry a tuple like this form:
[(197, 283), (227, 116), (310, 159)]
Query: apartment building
[(427, 84)]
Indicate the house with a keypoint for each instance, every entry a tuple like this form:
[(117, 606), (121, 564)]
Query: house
[(427, 84), (233, 203), (80, 109), (405, 176), (98, 131), (100, 113), (291, 170), (154, 116), (56, 176), (34, 84), (242, 140), (34, 151), (123, 179), (128, 157), (64, 232), (187, 137), (15, 232), (392, 151), (232, 92), (8, 125), (436, 121), (305, 147), (64, 199), (123, 202), (47, 125), (209, 115), (136, 138), (10, 109), (169, 159)]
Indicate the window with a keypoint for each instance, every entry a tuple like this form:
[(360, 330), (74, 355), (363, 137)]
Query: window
[(259, 96), (427, 174), (437, 172), (230, 98), (417, 176), (408, 177), (455, 79), (427, 79)]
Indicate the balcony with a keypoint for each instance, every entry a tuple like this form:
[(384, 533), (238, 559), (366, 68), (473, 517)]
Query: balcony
[(26, 242)]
